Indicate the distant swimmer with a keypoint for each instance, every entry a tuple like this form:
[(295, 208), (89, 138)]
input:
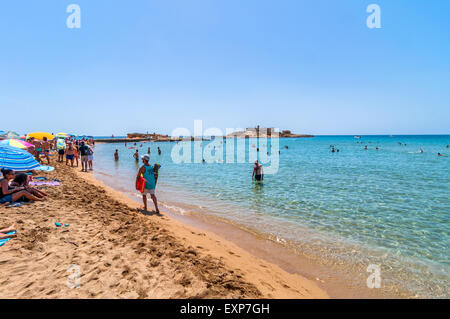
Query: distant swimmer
[(148, 151), (258, 174), (286, 147), (439, 154), (136, 156), (159, 151), (447, 146), (365, 147), (377, 148), (421, 151), (332, 150), (116, 155), (337, 150)]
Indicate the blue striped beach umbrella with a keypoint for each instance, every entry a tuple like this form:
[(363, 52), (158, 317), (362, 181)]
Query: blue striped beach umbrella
[(17, 159)]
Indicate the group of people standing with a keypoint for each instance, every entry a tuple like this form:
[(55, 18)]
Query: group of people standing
[(76, 151)]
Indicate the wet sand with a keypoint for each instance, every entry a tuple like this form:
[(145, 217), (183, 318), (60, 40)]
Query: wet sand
[(124, 253)]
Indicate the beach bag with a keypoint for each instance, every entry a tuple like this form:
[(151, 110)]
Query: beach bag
[(156, 168), (141, 184)]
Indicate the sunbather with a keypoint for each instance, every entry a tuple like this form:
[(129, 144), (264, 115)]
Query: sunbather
[(21, 180), (5, 230), (12, 194)]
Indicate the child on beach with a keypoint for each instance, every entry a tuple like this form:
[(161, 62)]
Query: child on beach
[(90, 158), (147, 171)]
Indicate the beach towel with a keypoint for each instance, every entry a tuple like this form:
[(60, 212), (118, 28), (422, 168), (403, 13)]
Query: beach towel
[(52, 183), (45, 168), (3, 241), (42, 178)]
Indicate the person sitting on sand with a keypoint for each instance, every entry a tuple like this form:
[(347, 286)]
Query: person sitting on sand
[(147, 171), (5, 230), (258, 174), (116, 155), (21, 180), (12, 194)]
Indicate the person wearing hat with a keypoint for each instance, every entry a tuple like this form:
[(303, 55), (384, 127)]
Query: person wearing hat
[(147, 171)]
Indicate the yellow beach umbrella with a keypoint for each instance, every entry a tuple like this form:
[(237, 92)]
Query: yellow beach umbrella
[(40, 135)]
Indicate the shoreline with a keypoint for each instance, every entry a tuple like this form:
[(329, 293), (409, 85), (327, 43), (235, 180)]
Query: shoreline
[(123, 253), (337, 282)]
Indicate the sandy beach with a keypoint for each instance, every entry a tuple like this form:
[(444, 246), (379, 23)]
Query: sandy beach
[(123, 253)]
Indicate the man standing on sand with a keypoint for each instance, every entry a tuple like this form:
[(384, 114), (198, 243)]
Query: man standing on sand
[(147, 171), (46, 148), (258, 174), (84, 152)]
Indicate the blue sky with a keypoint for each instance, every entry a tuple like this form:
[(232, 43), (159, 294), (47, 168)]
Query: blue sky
[(154, 65)]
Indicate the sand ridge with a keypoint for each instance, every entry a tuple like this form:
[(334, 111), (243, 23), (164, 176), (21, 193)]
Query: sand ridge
[(123, 253)]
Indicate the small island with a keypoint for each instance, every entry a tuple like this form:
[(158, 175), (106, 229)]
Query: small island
[(253, 132)]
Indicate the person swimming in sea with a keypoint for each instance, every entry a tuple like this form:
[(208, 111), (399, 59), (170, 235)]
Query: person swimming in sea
[(258, 174), (159, 151), (116, 155), (136, 156)]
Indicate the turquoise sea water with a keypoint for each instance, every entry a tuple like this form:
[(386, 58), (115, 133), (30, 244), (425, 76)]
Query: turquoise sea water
[(389, 207)]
